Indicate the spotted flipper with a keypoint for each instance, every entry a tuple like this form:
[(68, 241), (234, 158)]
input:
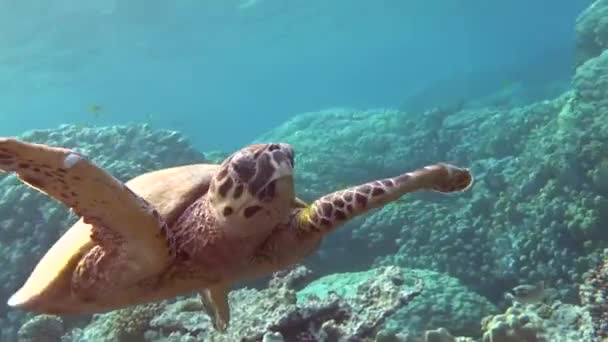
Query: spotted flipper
[(215, 304), (119, 217), (330, 211)]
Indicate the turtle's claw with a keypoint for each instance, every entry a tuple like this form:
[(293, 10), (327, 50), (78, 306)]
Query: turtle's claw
[(456, 179)]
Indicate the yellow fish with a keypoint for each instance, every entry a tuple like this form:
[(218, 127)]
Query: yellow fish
[(95, 110)]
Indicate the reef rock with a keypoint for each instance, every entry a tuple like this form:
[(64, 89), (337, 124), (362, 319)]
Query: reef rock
[(592, 31), (280, 313), (445, 302), (42, 328), (539, 323), (594, 296)]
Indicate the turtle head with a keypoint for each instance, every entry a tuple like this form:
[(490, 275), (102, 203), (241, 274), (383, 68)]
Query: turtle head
[(253, 190)]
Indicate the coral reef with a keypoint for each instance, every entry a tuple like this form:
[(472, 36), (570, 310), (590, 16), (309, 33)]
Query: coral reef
[(594, 296), (592, 31), (280, 313), (386, 304), (443, 335), (537, 211), (539, 323), (537, 208), (444, 303), (123, 325), (532, 200), (41, 328), (31, 222)]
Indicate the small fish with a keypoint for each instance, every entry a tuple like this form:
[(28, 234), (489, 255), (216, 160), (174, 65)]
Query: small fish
[(95, 110), (527, 294), (507, 83)]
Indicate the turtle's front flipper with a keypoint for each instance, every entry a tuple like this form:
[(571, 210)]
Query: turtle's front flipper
[(119, 216), (329, 211)]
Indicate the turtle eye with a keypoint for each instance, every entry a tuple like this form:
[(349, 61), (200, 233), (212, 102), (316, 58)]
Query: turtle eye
[(252, 210)]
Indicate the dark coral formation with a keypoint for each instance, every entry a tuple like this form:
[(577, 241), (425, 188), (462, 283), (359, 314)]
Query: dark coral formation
[(594, 296), (41, 328)]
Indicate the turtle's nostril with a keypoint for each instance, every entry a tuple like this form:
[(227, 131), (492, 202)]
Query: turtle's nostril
[(274, 147), (286, 147)]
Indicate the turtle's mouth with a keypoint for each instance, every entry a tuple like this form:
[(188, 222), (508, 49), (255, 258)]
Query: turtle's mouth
[(286, 150), (281, 187)]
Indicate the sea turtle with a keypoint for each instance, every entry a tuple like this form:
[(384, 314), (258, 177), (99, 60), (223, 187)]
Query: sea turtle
[(184, 229)]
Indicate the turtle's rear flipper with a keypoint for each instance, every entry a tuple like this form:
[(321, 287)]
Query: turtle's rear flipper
[(100, 199), (215, 304)]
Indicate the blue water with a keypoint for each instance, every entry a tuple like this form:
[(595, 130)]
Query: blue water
[(223, 72)]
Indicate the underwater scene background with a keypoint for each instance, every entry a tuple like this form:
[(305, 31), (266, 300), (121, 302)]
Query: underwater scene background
[(517, 91)]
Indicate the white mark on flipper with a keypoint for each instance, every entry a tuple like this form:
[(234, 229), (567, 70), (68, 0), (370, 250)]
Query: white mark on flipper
[(16, 300), (71, 159)]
